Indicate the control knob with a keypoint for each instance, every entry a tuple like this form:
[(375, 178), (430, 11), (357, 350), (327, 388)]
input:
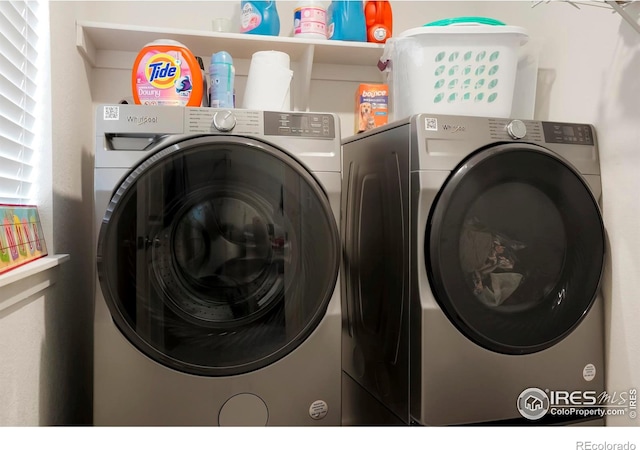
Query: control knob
[(517, 129), (224, 120)]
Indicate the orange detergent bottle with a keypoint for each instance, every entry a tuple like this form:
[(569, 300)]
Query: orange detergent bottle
[(166, 73), (379, 20)]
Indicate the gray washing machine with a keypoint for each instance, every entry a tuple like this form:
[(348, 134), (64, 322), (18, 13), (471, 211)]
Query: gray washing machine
[(474, 249), (218, 253)]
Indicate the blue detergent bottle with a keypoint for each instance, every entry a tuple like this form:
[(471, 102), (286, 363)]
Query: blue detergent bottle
[(346, 21), (259, 17)]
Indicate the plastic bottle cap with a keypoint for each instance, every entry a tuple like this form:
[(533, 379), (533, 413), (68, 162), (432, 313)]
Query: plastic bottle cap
[(221, 57)]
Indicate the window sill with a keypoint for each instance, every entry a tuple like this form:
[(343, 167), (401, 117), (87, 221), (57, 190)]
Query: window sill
[(28, 280)]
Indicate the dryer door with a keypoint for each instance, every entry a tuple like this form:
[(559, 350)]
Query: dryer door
[(218, 255), (515, 248)]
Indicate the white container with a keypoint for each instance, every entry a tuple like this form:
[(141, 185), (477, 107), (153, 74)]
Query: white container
[(310, 20), (465, 69)]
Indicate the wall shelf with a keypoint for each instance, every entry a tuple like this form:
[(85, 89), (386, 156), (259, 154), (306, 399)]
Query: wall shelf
[(106, 45), (28, 280)]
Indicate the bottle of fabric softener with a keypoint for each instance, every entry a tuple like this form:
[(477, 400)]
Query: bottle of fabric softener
[(259, 17)]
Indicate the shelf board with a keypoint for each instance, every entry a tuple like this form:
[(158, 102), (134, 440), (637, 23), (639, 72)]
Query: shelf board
[(31, 268), (28, 281), (94, 37)]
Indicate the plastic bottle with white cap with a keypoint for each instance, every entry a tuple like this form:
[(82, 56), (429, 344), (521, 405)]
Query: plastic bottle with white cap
[(310, 20)]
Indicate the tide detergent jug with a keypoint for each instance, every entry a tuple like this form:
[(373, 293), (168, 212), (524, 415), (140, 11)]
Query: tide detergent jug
[(166, 73)]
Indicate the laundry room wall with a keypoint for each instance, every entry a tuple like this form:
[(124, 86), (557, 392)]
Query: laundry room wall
[(580, 79)]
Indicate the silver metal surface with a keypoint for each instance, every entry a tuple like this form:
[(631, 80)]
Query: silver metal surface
[(452, 379), (130, 388)]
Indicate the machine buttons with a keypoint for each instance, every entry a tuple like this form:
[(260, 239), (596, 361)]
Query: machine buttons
[(224, 120), (517, 129)]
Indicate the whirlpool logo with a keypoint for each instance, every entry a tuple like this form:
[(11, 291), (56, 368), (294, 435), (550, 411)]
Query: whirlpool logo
[(454, 128), (142, 120)]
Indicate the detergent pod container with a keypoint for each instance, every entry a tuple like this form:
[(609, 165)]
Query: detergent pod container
[(259, 17), (166, 73), (379, 20), (346, 22)]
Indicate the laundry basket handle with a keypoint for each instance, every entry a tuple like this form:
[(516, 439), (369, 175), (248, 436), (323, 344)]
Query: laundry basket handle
[(465, 21)]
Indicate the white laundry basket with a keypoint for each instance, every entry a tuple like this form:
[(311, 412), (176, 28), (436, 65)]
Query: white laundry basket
[(463, 66)]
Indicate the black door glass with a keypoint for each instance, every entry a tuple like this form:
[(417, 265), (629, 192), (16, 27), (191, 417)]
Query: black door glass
[(219, 255), (515, 248), (503, 272)]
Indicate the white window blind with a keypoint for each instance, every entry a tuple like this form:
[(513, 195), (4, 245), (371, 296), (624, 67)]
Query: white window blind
[(19, 99)]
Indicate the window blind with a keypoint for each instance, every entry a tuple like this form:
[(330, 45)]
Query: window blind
[(19, 122)]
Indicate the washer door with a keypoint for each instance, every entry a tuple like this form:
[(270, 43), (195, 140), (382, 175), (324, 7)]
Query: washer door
[(515, 248), (218, 255)]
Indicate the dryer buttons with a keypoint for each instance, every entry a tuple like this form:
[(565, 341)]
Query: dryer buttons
[(224, 120), (517, 129)]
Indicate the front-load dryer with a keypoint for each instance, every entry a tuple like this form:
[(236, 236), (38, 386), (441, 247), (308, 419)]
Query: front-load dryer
[(474, 249), (217, 297)]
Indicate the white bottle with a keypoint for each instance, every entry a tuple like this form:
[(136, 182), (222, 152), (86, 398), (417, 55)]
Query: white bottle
[(310, 20)]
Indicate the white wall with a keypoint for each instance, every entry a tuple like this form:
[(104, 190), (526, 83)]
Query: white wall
[(593, 55), (46, 367)]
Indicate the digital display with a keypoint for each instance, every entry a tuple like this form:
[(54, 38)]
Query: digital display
[(565, 133)]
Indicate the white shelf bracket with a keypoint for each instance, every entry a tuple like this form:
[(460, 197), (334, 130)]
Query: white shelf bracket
[(302, 84), (624, 14), (85, 46)]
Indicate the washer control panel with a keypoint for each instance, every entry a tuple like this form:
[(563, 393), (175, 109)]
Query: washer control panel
[(267, 123), (213, 120), (567, 133), (311, 125)]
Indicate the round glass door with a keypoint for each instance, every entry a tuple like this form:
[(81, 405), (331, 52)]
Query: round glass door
[(515, 248), (218, 255)]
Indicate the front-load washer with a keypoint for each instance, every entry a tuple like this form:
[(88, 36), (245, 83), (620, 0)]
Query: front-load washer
[(474, 249), (218, 253)]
